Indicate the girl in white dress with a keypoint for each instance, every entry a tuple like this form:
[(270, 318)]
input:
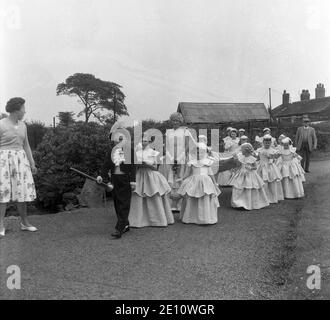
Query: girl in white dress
[(269, 172), (174, 163), (243, 139), (266, 132), (279, 147), (200, 191), (150, 203), (231, 145), (248, 187), (293, 174), (228, 137), (258, 141), (279, 141), (241, 133)]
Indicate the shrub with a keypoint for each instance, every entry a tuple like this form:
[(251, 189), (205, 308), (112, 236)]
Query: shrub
[(82, 145), (36, 131), (323, 141)]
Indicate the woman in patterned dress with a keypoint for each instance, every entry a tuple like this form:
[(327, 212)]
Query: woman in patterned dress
[(16, 164)]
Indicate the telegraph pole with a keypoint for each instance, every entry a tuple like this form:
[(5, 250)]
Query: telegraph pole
[(270, 105)]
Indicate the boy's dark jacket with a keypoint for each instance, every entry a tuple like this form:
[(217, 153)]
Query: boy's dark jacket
[(108, 165)]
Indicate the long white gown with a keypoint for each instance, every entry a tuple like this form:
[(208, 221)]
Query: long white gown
[(200, 204), (270, 174), (150, 203), (175, 150), (248, 187), (231, 145), (293, 175)]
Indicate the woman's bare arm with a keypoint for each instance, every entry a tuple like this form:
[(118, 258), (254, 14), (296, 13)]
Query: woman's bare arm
[(187, 174), (27, 150)]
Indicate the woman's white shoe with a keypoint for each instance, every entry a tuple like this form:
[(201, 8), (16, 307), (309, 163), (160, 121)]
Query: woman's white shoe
[(2, 232), (25, 228)]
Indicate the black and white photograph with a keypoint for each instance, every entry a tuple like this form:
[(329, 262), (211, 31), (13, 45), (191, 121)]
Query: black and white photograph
[(164, 155)]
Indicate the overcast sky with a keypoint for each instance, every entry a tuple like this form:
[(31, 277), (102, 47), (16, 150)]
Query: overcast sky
[(163, 51)]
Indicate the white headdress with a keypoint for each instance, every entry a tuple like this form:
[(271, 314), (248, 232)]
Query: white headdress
[(267, 137)]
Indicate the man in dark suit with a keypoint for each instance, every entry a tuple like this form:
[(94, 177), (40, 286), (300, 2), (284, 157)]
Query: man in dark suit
[(119, 171), (306, 142)]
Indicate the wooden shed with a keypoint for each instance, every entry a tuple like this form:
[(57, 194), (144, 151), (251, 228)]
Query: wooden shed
[(224, 114)]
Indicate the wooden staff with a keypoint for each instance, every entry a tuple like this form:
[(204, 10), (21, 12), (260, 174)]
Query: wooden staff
[(89, 177)]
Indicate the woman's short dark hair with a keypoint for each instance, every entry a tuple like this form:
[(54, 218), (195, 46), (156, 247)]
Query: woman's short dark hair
[(14, 104)]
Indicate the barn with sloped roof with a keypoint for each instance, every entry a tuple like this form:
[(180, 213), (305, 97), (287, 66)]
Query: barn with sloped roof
[(223, 114)]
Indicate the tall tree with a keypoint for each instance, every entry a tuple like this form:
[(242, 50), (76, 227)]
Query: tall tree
[(95, 94), (112, 98), (66, 118), (105, 119), (86, 87)]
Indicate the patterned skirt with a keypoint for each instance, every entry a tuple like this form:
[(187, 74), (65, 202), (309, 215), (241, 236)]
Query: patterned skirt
[(16, 180)]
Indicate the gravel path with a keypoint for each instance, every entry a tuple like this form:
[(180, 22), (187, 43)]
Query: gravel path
[(247, 255), (311, 244)]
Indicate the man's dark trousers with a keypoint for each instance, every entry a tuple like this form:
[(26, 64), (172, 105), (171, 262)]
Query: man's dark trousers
[(122, 199), (305, 154)]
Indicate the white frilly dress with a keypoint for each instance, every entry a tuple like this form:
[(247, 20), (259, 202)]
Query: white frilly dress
[(248, 187), (278, 150), (150, 203), (175, 150), (231, 145), (270, 174), (200, 195), (293, 175)]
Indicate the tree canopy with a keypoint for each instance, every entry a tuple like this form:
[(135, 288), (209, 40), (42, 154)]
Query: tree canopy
[(66, 118), (96, 95)]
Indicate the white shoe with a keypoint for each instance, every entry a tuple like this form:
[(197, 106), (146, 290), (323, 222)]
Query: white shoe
[(25, 228), (2, 233)]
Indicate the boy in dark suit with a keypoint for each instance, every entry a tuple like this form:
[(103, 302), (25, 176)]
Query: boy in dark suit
[(120, 173)]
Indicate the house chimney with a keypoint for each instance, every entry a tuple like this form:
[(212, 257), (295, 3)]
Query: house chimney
[(305, 95), (319, 91), (285, 98)]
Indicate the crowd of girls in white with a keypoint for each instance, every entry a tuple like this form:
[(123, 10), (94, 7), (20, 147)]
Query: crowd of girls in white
[(262, 176)]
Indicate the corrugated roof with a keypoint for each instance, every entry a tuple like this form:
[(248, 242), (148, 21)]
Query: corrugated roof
[(302, 107), (194, 112)]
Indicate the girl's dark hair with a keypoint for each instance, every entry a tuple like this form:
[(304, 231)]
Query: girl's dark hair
[(14, 104)]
